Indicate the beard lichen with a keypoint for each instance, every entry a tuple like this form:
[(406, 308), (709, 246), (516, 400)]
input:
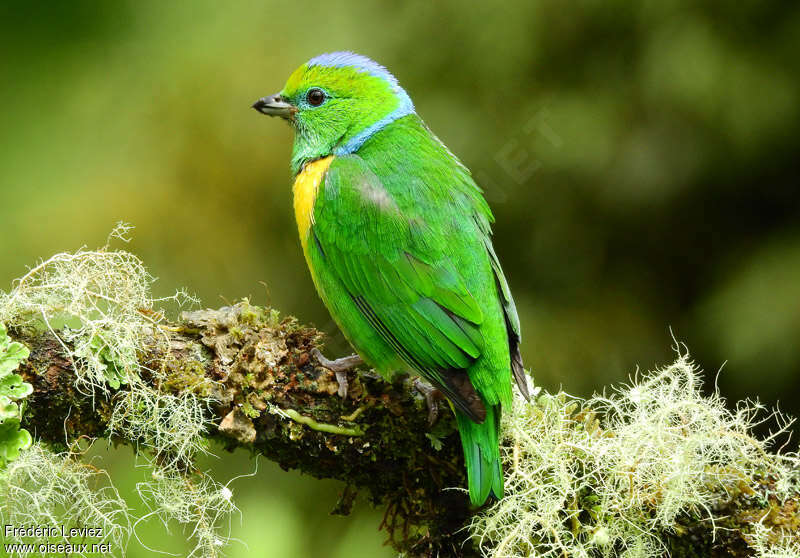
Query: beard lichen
[(98, 305), (606, 476), (98, 299), (767, 545), (170, 427), (196, 502), (42, 488)]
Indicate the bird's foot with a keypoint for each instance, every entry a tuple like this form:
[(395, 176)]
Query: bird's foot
[(339, 367), (432, 396)]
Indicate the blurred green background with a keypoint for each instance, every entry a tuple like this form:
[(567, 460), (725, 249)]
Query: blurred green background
[(637, 155)]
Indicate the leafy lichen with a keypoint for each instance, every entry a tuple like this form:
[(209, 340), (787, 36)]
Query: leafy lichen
[(13, 390)]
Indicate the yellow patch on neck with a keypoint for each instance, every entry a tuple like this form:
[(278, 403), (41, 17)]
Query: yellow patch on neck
[(305, 190)]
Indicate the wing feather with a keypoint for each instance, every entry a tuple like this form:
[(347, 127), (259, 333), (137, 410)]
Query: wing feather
[(408, 289)]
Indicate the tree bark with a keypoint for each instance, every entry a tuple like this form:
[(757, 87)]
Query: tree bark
[(270, 396)]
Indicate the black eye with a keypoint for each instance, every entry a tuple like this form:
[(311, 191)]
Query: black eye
[(315, 97)]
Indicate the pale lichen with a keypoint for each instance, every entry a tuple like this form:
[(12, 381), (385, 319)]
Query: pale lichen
[(766, 545), (605, 476), (42, 488), (197, 502), (101, 304), (170, 427), (98, 305)]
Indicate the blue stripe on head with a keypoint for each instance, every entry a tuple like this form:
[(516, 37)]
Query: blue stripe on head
[(345, 59)]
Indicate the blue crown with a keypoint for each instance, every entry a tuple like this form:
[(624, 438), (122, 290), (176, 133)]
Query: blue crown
[(346, 59)]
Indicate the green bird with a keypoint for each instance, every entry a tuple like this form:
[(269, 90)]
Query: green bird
[(397, 236)]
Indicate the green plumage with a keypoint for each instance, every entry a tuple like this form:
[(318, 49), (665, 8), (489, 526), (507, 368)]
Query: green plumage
[(400, 251)]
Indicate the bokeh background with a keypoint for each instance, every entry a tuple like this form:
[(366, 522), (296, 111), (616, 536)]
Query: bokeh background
[(640, 158)]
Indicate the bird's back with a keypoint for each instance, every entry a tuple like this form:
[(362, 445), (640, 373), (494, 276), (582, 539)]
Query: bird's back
[(450, 221)]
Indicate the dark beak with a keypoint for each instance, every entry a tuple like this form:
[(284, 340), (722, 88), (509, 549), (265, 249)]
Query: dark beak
[(275, 105)]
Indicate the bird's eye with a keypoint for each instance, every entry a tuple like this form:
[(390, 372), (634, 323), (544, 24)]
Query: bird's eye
[(315, 97)]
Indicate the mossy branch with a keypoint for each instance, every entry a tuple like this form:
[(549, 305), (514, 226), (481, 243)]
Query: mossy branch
[(653, 467), (264, 392)]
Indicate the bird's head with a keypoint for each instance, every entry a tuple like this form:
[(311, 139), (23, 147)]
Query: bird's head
[(336, 102)]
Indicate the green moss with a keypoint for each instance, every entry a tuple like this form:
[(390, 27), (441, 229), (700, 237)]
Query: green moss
[(186, 374), (257, 316), (248, 410), (236, 333)]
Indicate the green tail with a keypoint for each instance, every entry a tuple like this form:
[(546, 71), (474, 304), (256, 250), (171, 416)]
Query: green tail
[(482, 455)]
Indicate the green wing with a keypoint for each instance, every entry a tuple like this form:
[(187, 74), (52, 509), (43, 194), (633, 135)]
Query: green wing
[(509, 313), (394, 265)]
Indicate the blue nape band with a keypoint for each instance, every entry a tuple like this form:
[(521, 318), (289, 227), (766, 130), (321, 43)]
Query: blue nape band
[(353, 144)]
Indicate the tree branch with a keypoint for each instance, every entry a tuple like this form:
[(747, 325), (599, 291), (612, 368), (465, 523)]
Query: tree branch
[(267, 394)]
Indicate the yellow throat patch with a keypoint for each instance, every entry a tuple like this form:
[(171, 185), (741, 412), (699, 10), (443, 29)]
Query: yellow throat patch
[(305, 190)]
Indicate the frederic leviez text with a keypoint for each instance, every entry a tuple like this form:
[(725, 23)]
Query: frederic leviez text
[(47, 531)]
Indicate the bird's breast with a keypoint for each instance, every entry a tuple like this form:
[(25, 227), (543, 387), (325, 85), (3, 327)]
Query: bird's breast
[(305, 188)]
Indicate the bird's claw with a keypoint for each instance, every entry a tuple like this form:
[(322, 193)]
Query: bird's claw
[(341, 379), (431, 395), (339, 367)]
